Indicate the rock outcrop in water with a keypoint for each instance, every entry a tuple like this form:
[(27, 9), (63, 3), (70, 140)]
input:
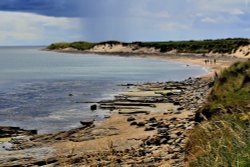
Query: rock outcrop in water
[(7, 131)]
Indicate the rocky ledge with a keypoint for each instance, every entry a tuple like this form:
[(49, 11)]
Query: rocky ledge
[(149, 125)]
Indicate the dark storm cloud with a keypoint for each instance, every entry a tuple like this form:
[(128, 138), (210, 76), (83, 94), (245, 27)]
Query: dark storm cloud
[(57, 8), (69, 8), (149, 20)]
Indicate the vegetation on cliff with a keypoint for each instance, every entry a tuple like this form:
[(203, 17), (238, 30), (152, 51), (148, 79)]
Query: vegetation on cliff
[(81, 45), (231, 92), (204, 46), (223, 138), (222, 46)]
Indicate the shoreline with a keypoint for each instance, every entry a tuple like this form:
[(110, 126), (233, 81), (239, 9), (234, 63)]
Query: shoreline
[(117, 134), (222, 62)]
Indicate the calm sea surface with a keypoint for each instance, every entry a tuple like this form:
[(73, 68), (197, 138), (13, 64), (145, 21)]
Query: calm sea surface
[(35, 85)]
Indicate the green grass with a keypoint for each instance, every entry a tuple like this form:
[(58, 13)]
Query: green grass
[(223, 137), (231, 92), (81, 45), (221, 142)]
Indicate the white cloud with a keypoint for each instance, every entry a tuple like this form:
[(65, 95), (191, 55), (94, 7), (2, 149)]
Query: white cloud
[(17, 26), (236, 12), (209, 20), (234, 7)]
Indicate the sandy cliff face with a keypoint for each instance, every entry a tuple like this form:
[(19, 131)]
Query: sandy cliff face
[(243, 52), (123, 48)]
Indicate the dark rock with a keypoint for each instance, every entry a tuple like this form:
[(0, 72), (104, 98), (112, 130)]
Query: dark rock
[(149, 128), (93, 107), (133, 123), (135, 112), (107, 106), (140, 124), (169, 94), (173, 119), (6, 131), (163, 130), (152, 141), (107, 116), (142, 152), (87, 123), (153, 119), (153, 124), (180, 108), (176, 103), (71, 94), (162, 125), (179, 133), (130, 119)]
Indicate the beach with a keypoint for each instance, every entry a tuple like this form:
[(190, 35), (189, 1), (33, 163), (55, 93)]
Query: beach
[(149, 124), (152, 119)]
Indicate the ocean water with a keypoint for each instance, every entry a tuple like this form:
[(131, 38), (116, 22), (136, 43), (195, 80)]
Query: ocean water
[(35, 85)]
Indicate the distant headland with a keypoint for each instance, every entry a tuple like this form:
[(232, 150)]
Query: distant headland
[(236, 47)]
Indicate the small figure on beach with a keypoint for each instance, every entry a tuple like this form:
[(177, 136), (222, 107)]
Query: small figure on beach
[(215, 75), (210, 61), (215, 61), (206, 61)]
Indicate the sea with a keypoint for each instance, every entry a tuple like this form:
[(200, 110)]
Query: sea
[(51, 92)]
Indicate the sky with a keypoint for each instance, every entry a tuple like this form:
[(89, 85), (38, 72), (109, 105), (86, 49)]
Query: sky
[(41, 22)]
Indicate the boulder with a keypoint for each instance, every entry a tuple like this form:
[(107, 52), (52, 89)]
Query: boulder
[(93, 107), (87, 123)]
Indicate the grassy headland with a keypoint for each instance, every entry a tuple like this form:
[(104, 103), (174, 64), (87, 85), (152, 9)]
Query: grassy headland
[(222, 46), (76, 45), (223, 138)]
